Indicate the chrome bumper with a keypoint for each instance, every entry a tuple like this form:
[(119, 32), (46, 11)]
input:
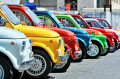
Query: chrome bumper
[(64, 58), (77, 53), (106, 45), (26, 63)]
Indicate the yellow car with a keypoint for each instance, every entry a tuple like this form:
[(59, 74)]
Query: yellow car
[(47, 45)]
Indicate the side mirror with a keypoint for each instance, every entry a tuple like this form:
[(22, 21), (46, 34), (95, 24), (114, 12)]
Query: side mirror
[(23, 23), (31, 1)]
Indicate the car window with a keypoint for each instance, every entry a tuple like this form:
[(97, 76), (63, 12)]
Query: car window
[(103, 23), (93, 24), (79, 21), (22, 17), (66, 22), (47, 21)]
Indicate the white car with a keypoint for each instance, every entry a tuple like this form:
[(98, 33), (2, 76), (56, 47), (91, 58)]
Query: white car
[(15, 53)]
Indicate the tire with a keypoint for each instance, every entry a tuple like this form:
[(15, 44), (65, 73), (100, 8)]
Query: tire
[(80, 57), (17, 75), (92, 53), (104, 53), (6, 70), (114, 47), (64, 68), (37, 72)]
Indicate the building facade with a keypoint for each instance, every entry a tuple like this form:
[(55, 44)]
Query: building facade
[(61, 4), (76, 4)]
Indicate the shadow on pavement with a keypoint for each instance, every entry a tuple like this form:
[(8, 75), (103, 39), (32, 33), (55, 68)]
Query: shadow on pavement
[(49, 77)]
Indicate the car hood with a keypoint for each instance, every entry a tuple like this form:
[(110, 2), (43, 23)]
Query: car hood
[(7, 33), (113, 31), (76, 30), (99, 29), (62, 32), (91, 31), (31, 31)]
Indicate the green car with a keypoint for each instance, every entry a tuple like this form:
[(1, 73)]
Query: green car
[(96, 36)]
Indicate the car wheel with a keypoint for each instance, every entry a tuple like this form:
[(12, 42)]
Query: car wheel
[(94, 51), (6, 71), (41, 68)]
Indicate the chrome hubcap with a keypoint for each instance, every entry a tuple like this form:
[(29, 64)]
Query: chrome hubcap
[(93, 51), (1, 72), (39, 67)]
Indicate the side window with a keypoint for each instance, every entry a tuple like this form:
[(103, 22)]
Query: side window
[(89, 23), (22, 17), (2, 21), (80, 22), (66, 22), (47, 21)]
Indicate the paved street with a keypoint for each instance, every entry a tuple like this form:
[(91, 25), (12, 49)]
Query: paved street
[(105, 67)]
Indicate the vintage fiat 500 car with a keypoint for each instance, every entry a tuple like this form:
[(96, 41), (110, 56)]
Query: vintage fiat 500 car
[(47, 45), (69, 38), (15, 53)]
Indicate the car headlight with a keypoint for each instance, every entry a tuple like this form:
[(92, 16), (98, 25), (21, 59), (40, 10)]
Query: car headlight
[(30, 40), (23, 46), (59, 43)]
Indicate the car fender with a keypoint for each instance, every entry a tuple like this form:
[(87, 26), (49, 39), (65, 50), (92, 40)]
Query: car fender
[(116, 39), (84, 43), (100, 42), (10, 56), (110, 42), (47, 49)]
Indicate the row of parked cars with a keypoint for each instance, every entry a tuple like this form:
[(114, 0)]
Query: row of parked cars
[(45, 42)]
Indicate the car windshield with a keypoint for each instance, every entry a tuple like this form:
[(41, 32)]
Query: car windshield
[(55, 18), (103, 23), (10, 14), (94, 24), (80, 22), (33, 16), (75, 22)]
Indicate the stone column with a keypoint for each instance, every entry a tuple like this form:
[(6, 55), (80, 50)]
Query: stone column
[(60, 3)]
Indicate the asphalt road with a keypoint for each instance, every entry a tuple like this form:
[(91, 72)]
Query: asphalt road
[(105, 67)]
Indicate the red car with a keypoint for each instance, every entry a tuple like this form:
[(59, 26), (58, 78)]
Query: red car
[(111, 36)]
